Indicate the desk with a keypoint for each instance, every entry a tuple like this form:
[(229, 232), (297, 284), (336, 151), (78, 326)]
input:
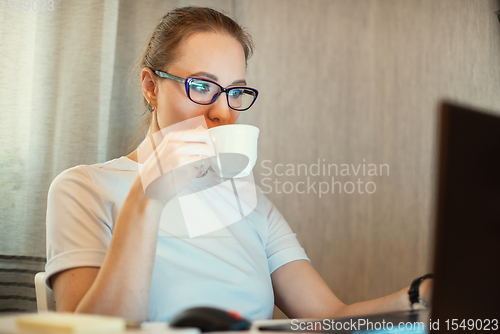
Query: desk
[(8, 326)]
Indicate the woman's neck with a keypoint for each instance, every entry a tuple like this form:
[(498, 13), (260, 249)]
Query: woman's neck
[(133, 156)]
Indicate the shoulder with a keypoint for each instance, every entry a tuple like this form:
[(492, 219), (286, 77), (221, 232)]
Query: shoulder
[(72, 177), (92, 175), (86, 193), (265, 214), (265, 204)]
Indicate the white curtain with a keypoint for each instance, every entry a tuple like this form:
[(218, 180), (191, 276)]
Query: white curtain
[(64, 101)]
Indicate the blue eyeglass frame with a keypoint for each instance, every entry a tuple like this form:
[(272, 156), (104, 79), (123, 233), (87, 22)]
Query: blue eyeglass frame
[(187, 82)]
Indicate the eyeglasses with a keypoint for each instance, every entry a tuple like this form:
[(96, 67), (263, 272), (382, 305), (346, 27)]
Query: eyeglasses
[(204, 91)]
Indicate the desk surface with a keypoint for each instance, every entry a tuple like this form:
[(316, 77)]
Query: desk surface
[(8, 326)]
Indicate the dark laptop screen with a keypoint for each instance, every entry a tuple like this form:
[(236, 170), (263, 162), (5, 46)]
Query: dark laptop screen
[(467, 254)]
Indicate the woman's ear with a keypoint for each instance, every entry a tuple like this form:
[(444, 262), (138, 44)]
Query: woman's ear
[(149, 86)]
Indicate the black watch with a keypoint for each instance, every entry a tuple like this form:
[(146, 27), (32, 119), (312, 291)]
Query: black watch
[(416, 302)]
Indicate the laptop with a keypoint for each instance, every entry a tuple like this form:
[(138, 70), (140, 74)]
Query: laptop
[(467, 251), (466, 294)]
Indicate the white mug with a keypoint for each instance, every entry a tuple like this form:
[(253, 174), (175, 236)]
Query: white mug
[(235, 149)]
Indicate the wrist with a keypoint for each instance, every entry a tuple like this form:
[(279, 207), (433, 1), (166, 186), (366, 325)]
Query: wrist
[(138, 196), (420, 291), (426, 291)]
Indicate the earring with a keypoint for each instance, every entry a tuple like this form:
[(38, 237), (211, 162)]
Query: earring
[(151, 109)]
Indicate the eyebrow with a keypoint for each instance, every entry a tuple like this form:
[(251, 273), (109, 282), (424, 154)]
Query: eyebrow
[(214, 78)]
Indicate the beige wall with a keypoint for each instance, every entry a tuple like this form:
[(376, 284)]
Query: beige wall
[(352, 82)]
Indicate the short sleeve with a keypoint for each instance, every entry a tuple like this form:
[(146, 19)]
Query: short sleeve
[(78, 226), (282, 244)]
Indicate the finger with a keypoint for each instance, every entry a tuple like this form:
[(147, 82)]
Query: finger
[(194, 148), (203, 169), (193, 135), (196, 161), (175, 147), (175, 139), (202, 172)]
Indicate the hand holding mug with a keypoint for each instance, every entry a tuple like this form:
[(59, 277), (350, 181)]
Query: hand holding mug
[(175, 162)]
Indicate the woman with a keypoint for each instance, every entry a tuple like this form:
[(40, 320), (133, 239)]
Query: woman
[(106, 248)]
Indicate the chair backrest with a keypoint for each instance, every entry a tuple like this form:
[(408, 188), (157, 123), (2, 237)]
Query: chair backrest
[(44, 296)]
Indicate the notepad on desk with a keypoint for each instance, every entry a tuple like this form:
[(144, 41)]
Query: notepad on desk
[(52, 322)]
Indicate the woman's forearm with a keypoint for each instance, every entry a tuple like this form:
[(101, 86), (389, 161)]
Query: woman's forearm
[(122, 286), (398, 301)]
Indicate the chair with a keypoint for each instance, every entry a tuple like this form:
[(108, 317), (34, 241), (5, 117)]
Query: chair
[(44, 296)]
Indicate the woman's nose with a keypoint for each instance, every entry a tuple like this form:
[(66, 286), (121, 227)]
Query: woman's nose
[(220, 111)]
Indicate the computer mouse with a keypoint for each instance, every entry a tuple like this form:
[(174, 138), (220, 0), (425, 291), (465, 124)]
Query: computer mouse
[(210, 319)]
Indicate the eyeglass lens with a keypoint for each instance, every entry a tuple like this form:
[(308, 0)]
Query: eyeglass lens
[(204, 91)]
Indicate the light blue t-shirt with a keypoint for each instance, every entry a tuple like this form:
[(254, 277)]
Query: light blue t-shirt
[(228, 268)]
